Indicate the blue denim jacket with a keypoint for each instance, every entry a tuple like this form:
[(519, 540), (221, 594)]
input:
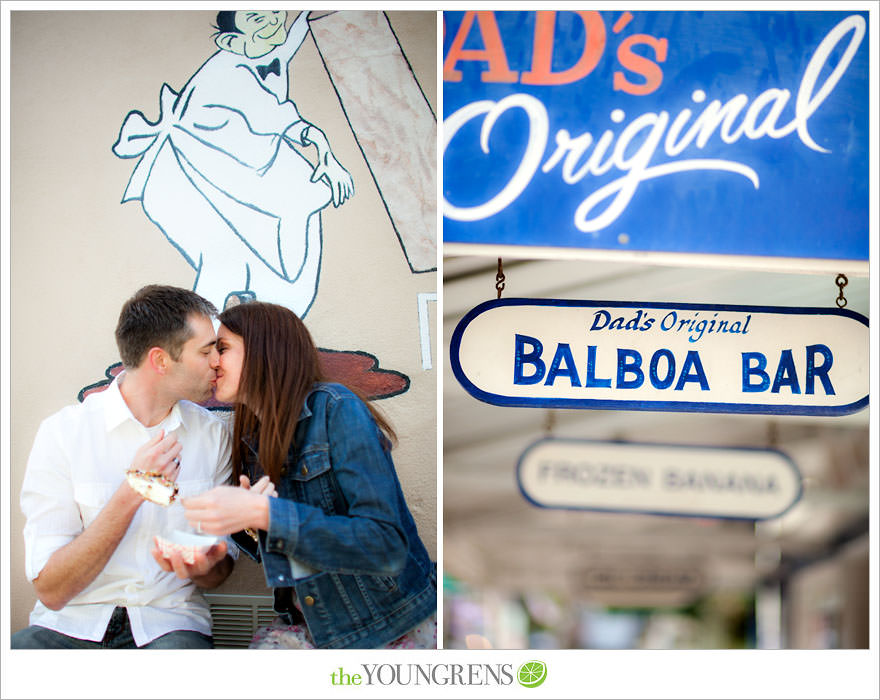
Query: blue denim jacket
[(340, 510)]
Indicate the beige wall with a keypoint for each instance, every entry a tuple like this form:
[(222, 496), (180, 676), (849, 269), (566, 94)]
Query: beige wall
[(77, 253)]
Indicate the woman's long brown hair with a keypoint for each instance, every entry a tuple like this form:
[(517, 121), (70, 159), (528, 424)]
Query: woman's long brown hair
[(279, 368)]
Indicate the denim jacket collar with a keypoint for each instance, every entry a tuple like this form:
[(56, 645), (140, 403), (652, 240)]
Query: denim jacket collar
[(306, 412)]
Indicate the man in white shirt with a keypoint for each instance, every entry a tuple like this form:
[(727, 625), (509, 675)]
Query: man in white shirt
[(89, 537)]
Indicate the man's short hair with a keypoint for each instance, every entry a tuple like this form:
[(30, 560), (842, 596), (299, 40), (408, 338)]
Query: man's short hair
[(226, 22), (158, 316)]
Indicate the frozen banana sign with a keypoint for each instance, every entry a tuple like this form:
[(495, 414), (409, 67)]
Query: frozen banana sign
[(684, 480), (663, 357)]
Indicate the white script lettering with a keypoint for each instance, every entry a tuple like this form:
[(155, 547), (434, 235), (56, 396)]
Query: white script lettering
[(759, 120)]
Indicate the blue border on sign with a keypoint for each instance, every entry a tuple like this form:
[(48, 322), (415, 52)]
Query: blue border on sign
[(674, 514), (621, 404)]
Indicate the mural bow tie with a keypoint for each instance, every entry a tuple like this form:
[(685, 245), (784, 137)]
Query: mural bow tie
[(273, 67)]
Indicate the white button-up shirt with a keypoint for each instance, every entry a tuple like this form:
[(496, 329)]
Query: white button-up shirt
[(79, 459)]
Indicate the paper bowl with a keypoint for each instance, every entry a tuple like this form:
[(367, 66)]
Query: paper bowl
[(187, 543)]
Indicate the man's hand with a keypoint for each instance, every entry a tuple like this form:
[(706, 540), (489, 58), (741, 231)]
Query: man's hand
[(160, 454), (202, 567)]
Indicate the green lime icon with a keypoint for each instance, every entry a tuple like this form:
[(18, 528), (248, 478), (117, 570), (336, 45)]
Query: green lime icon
[(531, 674)]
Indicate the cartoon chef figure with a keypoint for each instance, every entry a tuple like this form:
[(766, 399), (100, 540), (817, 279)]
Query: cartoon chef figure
[(219, 174)]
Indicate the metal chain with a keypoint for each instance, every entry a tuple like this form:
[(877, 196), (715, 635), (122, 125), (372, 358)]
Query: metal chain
[(549, 422), (499, 279), (772, 435), (841, 282)]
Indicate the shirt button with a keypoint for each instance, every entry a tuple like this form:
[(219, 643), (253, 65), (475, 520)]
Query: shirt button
[(309, 600), (304, 470)]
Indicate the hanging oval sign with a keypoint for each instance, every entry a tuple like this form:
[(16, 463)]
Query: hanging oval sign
[(682, 480), (654, 356)]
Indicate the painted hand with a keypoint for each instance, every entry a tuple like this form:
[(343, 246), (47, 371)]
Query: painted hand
[(339, 179)]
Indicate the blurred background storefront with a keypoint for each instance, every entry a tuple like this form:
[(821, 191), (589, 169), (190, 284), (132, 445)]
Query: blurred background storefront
[(518, 576)]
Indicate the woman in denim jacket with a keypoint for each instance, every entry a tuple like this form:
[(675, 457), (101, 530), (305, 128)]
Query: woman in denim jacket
[(319, 495)]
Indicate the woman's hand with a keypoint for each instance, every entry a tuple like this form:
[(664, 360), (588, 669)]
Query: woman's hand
[(263, 485), (227, 509)]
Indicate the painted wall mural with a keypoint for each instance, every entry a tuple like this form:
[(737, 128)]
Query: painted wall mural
[(220, 175), (235, 176)]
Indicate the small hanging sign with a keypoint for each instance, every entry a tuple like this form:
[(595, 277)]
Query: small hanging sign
[(652, 356), (680, 480)]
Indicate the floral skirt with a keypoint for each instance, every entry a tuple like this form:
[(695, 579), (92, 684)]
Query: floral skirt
[(281, 636)]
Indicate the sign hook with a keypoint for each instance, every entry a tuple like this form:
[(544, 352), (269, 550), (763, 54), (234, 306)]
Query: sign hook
[(841, 282)]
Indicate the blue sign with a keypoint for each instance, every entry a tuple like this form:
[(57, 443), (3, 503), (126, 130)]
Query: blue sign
[(733, 133), (659, 356)]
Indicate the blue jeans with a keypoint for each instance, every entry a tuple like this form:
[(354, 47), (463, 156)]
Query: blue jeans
[(117, 636)]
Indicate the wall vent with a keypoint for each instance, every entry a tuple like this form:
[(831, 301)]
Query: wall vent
[(237, 617)]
